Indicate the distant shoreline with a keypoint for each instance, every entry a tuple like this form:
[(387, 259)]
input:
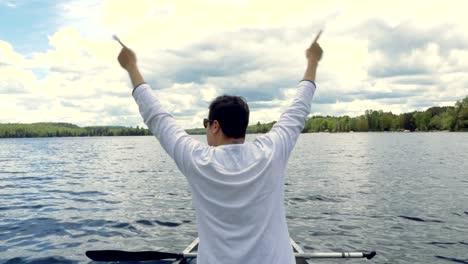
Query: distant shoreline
[(331, 133), (434, 119), (53, 130)]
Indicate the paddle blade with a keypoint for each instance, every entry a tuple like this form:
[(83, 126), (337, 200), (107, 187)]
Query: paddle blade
[(119, 255), (370, 255)]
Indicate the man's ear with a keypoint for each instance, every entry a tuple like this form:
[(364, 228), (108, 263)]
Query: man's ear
[(216, 126)]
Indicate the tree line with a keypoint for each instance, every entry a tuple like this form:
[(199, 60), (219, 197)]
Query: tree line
[(66, 130), (449, 118)]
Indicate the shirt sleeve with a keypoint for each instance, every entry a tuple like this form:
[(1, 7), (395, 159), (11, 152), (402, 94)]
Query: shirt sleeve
[(175, 141), (284, 133)]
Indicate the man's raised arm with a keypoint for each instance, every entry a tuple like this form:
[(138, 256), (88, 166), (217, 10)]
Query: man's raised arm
[(285, 132), (175, 141)]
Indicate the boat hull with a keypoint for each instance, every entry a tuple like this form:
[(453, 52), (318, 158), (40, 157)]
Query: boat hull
[(193, 247)]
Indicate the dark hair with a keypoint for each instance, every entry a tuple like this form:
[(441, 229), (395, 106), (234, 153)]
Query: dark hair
[(232, 113)]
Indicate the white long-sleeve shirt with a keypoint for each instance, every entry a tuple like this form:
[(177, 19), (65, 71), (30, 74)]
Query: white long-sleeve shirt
[(237, 189)]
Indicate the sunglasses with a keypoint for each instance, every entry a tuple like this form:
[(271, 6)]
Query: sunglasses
[(205, 122)]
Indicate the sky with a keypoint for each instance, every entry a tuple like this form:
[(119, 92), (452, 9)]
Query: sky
[(58, 62)]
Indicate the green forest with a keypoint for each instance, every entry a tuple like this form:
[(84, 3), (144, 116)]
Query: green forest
[(67, 130), (445, 118)]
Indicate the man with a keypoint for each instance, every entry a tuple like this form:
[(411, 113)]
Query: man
[(237, 186)]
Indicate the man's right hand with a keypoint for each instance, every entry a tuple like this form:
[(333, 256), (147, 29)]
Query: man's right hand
[(313, 55), (314, 52)]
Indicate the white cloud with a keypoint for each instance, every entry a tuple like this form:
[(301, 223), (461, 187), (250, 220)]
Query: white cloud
[(391, 55), (9, 4), (9, 57)]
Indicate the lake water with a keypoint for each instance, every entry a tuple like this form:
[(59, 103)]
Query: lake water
[(404, 195)]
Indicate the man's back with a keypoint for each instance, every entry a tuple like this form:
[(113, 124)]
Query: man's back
[(238, 195), (238, 189)]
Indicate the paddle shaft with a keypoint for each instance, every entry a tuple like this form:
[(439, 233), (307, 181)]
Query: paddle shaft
[(118, 255), (317, 255), (336, 255)]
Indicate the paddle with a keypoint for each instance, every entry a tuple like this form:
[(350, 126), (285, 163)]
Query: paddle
[(367, 255), (118, 40), (119, 255)]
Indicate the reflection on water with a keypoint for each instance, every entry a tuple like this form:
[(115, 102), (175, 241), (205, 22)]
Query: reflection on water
[(402, 194)]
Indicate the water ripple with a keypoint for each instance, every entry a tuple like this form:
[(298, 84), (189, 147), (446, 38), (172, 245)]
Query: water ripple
[(86, 193), (60, 197), (38, 206), (47, 260), (169, 224), (418, 219), (453, 259)]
